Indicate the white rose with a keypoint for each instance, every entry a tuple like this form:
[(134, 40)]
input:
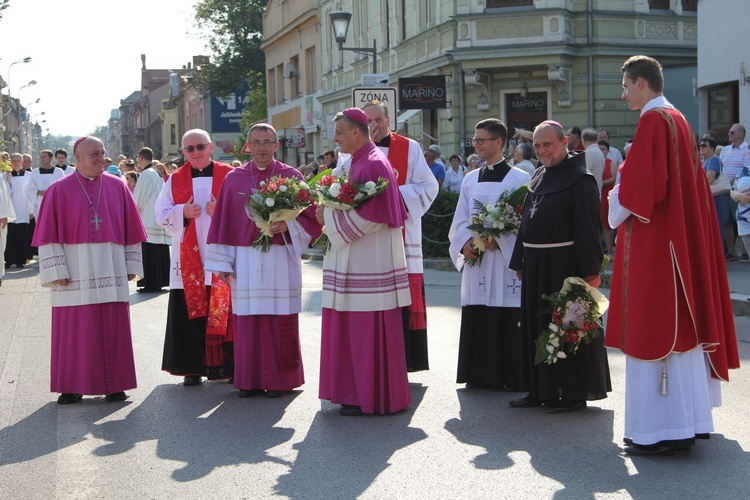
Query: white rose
[(562, 355), (370, 185), (553, 327), (270, 202), (283, 188), (262, 183), (372, 191), (304, 186), (550, 349), (335, 189)]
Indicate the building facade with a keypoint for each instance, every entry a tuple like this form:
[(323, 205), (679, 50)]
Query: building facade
[(291, 41), (522, 61), (723, 66)]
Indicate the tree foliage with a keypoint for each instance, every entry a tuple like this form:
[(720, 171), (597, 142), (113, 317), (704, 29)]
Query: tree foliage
[(234, 32)]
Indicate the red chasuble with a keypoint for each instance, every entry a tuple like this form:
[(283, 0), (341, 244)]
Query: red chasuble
[(669, 288)]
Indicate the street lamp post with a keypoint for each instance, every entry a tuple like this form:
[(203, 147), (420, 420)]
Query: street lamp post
[(10, 102), (21, 145), (340, 22)]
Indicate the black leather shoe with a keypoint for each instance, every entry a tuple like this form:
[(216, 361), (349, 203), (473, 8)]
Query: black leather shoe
[(274, 394), (249, 393), (565, 406), (350, 411), (67, 398), (527, 401), (656, 450), (116, 396), (192, 380)]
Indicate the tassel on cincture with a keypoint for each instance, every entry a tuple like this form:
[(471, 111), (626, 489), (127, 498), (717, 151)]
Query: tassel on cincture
[(663, 385)]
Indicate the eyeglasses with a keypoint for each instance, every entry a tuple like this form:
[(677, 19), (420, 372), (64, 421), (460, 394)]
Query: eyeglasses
[(703, 145), (264, 144), (477, 140), (199, 147)]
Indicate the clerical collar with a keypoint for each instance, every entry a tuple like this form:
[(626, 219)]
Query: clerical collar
[(20, 173), (63, 166), (206, 172), (263, 169), (147, 166), (492, 167), (385, 142), (43, 170)]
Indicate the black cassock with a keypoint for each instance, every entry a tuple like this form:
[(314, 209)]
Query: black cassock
[(562, 206), (490, 337)]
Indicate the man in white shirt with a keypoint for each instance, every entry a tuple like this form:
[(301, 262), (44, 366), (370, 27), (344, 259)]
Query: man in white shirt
[(614, 153), (595, 160)]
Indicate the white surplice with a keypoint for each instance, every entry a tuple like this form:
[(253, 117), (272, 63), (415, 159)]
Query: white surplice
[(171, 218), (21, 203), (146, 192), (98, 272), (6, 212), (490, 283), (41, 182), (266, 282)]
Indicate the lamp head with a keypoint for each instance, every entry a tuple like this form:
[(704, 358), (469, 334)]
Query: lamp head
[(340, 22)]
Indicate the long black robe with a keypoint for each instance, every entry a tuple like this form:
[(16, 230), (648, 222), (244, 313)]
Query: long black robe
[(490, 337), (567, 209)]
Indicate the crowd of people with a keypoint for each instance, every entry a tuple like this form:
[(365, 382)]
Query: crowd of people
[(233, 311)]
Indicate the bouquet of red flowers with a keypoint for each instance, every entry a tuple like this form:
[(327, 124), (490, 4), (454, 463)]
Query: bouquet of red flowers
[(490, 221), (576, 318), (341, 193), (278, 199)]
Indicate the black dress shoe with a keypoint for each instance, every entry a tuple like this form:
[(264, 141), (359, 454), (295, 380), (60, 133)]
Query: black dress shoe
[(527, 401), (249, 393), (116, 396), (192, 380), (350, 411), (274, 394), (67, 398), (565, 406), (656, 450)]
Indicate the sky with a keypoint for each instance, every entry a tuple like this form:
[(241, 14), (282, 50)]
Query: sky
[(86, 54)]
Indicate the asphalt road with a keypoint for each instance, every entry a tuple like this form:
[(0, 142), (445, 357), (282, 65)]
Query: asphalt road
[(174, 442)]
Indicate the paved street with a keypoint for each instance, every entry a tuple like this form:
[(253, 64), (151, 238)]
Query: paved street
[(174, 442)]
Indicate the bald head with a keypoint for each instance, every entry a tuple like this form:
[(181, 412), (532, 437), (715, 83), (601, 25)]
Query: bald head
[(89, 156)]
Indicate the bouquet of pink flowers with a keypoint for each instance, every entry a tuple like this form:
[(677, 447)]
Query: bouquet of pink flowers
[(278, 199), (576, 318), (490, 221), (341, 193)]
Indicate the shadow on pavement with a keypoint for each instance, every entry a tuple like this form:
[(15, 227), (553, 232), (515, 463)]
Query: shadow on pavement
[(342, 456), (29, 439), (576, 452), (206, 430)]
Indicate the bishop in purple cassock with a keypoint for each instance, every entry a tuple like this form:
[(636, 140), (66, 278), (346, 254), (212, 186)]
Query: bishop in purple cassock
[(89, 235), (365, 286)]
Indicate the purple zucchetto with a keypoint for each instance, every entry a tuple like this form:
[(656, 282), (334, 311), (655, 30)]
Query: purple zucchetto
[(357, 115), (79, 141)]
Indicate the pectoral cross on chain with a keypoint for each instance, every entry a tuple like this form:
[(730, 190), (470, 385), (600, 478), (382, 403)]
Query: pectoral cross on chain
[(513, 285), (95, 221), (483, 284)]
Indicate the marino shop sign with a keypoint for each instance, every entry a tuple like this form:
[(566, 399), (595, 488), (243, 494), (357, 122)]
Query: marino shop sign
[(425, 92)]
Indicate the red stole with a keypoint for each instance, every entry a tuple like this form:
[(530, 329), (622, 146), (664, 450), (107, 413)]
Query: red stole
[(398, 155), (193, 277)]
